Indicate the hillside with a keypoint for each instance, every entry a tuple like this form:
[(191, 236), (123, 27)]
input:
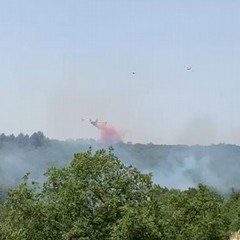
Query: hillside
[(173, 166)]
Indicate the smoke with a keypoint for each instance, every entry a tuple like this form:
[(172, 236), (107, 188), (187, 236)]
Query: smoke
[(109, 134), (173, 166), (189, 172), (182, 166)]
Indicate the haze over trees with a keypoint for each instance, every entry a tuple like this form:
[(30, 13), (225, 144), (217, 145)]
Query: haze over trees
[(97, 197), (173, 166)]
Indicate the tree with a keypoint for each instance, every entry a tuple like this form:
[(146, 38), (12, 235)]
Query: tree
[(96, 197), (232, 210), (22, 140), (194, 214), (38, 139), (3, 137)]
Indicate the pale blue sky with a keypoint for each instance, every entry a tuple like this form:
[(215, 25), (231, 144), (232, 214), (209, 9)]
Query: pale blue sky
[(64, 60)]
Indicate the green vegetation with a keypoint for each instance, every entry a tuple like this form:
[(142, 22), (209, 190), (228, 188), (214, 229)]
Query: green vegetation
[(173, 166), (98, 197)]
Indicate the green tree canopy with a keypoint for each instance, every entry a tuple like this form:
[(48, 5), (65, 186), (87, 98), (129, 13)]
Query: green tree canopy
[(90, 199), (97, 197)]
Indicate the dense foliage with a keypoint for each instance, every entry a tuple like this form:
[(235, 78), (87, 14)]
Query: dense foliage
[(98, 197)]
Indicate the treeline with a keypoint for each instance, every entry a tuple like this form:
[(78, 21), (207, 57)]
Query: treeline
[(98, 197), (37, 139), (173, 166)]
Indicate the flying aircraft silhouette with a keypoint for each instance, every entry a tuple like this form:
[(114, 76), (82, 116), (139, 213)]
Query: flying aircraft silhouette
[(188, 67), (93, 122)]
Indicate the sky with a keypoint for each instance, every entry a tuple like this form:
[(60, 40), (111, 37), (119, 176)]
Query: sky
[(61, 61)]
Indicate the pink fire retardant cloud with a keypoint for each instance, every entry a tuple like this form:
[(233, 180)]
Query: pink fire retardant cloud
[(109, 134)]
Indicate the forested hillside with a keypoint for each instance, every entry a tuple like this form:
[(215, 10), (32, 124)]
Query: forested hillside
[(176, 166), (97, 197), (108, 194)]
